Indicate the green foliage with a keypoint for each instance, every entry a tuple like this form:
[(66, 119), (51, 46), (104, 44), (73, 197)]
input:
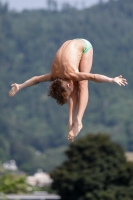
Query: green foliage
[(13, 184), (31, 122), (96, 169), (2, 170)]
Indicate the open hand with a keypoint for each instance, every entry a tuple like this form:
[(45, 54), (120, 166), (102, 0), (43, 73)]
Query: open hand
[(120, 80), (14, 90)]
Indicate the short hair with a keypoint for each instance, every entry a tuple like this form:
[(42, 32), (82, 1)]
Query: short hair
[(58, 90)]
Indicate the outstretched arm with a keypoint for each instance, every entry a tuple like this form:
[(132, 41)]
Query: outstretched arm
[(33, 81), (79, 76)]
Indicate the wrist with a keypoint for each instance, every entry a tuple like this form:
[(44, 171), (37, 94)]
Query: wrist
[(20, 87), (112, 80)]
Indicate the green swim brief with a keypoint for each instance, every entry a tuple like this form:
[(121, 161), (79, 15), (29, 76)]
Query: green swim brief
[(87, 46)]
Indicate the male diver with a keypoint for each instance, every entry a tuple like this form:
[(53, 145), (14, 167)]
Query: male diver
[(70, 73)]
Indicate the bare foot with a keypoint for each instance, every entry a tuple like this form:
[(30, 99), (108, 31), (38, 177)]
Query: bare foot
[(71, 136), (75, 130), (14, 90)]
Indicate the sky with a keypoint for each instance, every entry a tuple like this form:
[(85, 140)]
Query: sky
[(20, 5)]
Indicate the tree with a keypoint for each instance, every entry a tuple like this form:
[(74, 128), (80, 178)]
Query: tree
[(12, 183), (31, 121), (52, 5), (96, 169), (66, 7)]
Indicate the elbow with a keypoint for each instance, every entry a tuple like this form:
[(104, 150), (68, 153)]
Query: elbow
[(35, 80), (93, 78)]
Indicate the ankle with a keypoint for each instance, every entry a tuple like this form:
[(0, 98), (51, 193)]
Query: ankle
[(78, 121), (70, 123)]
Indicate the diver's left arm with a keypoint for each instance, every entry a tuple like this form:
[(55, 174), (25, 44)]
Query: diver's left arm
[(99, 78)]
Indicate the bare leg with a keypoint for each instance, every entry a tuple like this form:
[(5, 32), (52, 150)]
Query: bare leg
[(73, 106), (85, 66)]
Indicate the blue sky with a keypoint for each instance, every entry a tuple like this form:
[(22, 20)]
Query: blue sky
[(19, 5)]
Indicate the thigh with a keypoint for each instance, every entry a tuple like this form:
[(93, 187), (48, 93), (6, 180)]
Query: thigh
[(86, 61)]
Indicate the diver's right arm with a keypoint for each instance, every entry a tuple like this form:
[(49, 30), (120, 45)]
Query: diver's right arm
[(33, 81)]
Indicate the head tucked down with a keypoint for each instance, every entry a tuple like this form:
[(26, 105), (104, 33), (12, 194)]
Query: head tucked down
[(60, 91)]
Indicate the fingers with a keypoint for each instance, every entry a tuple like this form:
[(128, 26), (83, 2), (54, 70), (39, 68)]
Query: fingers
[(13, 84), (122, 81), (12, 92), (119, 83)]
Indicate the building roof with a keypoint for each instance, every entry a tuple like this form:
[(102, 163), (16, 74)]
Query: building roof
[(129, 156)]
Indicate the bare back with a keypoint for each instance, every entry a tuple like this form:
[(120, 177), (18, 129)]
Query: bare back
[(67, 59)]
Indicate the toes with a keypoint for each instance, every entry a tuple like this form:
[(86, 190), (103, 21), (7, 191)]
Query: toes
[(71, 138)]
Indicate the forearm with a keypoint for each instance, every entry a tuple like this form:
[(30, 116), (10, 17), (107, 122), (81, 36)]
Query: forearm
[(33, 81), (28, 83), (99, 78)]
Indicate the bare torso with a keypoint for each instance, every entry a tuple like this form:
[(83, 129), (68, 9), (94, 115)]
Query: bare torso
[(67, 59)]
